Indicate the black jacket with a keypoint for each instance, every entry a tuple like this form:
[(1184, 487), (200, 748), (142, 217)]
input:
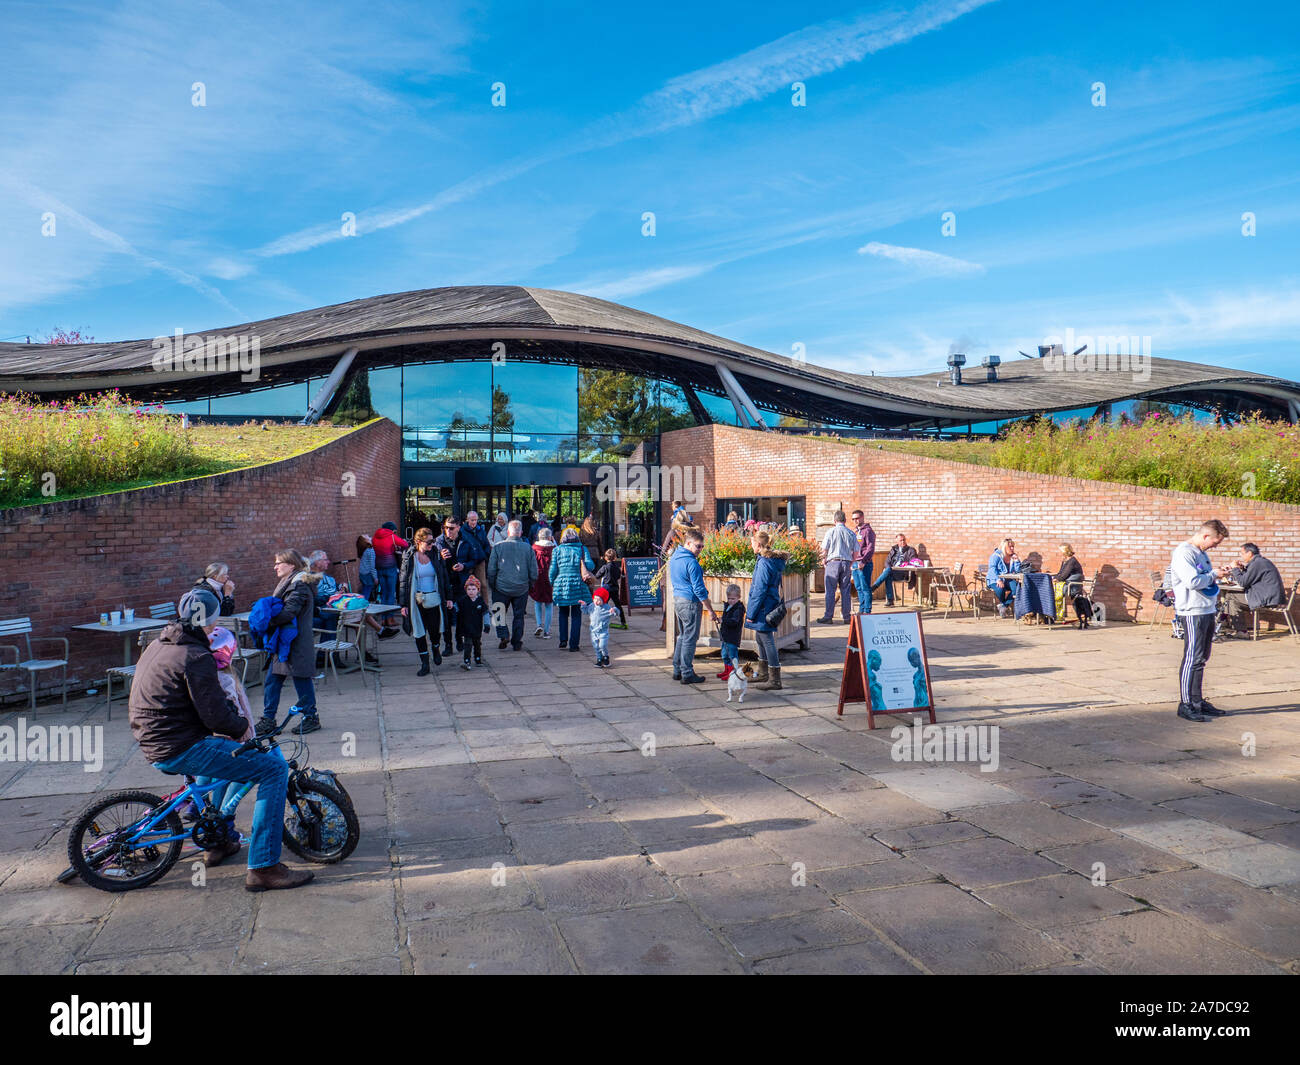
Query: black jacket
[(405, 583), (1262, 582), (176, 699), (733, 622), (610, 575), (1071, 571), (470, 614), (463, 550)]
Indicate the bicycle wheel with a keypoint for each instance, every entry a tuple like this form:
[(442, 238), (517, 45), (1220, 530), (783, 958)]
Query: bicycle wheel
[(319, 822), (97, 847)]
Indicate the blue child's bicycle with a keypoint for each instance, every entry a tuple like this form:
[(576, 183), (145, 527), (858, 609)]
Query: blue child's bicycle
[(129, 839)]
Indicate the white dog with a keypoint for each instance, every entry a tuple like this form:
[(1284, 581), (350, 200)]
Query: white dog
[(738, 682)]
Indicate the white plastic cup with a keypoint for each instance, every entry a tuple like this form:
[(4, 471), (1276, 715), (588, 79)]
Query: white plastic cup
[(130, 613), (115, 617)]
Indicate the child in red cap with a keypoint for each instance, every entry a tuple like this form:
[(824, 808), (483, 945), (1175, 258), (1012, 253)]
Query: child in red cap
[(600, 612)]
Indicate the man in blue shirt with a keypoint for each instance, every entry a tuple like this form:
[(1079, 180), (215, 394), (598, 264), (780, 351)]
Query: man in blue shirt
[(838, 551), (690, 600)]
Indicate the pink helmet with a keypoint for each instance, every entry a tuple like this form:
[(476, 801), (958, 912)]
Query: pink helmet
[(223, 646)]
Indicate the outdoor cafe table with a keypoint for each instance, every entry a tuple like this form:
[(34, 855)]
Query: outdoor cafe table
[(921, 573), (126, 629), (1035, 593)]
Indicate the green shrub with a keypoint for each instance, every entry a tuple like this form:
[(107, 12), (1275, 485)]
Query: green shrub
[(91, 443), (1257, 458)]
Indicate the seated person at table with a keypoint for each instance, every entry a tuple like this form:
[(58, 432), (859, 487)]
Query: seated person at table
[(1261, 587), (1003, 560), (1068, 580), (893, 571), (325, 587)]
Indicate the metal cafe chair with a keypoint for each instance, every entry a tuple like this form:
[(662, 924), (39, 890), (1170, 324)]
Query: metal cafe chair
[(334, 644), (1158, 609), (32, 665), (125, 673), (945, 582), (161, 611)]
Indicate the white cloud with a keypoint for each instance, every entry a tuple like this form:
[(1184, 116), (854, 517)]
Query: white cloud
[(928, 262), (634, 284), (684, 100)]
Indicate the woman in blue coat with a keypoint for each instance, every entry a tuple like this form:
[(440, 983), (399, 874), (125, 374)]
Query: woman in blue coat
[(764, 597), (568, 588)]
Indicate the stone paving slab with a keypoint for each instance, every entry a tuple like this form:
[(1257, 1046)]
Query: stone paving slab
[(540, 816)]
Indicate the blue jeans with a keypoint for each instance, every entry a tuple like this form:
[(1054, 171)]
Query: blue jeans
[(689, 612), (388, 585), (600, 643), (1003, 593), (862, 582), (543, 612), (367, 590), (214, 758), (731, 655), (271, 686), (887, 577), (767, 651), (570, 624)]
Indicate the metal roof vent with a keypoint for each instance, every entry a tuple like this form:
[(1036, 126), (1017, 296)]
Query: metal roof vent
[(991, 364), (955, 363)]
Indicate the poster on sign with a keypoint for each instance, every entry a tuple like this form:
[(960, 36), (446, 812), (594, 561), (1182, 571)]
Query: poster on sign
[(886, 666)]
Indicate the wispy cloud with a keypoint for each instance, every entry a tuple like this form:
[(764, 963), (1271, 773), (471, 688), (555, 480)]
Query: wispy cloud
[(685, 100), (927, 262), (622, 288)]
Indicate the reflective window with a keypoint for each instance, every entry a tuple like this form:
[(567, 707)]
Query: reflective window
[(535, 398), (447, 395), (288, 400)]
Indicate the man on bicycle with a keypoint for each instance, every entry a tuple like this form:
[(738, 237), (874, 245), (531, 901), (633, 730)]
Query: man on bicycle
[(176, 705)]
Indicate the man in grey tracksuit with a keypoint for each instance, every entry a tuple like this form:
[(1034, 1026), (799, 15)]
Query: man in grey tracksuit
[(1196, 593), (511, 571)]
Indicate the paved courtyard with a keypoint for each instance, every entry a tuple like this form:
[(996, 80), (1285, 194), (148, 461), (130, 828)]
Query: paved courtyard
[(514, 819)]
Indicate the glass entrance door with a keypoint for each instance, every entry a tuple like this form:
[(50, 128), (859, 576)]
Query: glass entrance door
[(487, 501)]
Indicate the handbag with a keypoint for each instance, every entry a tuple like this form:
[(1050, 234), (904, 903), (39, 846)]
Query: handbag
[(775, 616)]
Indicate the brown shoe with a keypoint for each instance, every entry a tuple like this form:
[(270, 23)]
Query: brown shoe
[(760, 674), (773, 684), (216, 857), (275, 877)]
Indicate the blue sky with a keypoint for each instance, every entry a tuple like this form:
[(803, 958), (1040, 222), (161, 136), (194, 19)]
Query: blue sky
[(776, 225)]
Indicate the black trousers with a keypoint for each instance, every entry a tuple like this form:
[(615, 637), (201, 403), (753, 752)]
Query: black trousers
[(431, 617), (1198, 639), (476, 643)]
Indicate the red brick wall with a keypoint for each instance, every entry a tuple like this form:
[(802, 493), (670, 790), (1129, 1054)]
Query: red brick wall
[(955, 512), (62, 564)]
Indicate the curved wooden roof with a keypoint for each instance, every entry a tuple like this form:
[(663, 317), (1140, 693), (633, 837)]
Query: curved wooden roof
[(545, 324)]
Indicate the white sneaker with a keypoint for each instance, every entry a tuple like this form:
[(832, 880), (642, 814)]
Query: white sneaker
[(538, 634)]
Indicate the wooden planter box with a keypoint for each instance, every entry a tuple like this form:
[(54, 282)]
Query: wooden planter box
[(794, 589)]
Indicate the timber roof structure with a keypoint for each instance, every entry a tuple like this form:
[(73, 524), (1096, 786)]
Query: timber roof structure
[(544, 325)]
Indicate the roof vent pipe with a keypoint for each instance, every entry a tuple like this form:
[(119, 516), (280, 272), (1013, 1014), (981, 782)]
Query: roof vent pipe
[(991, 364), (955, 363)]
